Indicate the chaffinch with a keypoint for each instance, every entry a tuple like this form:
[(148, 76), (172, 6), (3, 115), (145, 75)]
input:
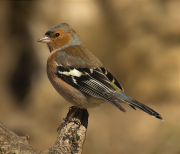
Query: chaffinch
[(79, 76)]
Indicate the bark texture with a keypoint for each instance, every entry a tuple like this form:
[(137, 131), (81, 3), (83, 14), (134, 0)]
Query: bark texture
[(71, 138)]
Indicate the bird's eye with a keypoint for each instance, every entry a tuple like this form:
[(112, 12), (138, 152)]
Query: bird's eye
[(57, 34)]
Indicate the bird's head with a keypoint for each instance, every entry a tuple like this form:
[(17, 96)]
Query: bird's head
[(59, 36)]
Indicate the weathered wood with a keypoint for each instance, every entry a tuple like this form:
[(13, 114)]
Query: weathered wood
[(71, 138)]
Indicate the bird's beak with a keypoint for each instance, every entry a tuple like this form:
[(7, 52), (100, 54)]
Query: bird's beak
[(44, 39)]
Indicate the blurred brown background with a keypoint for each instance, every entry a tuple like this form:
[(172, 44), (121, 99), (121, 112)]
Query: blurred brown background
[(137, 41)]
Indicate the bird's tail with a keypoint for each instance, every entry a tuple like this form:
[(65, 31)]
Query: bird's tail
[(133, 103)]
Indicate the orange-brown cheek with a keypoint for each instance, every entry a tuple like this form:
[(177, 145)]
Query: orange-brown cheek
[(57, 43), (65, 39)]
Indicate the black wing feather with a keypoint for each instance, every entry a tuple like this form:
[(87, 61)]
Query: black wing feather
[(91, 81), (111, 78)]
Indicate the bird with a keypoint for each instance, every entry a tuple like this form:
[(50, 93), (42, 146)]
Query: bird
[(79, 76)]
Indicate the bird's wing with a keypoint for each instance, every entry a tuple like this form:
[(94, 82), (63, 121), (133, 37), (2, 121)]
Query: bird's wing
[(92, 81), (112, 79), (100, 83)]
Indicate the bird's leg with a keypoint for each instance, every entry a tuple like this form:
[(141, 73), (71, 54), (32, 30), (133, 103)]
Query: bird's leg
[(74, 112)]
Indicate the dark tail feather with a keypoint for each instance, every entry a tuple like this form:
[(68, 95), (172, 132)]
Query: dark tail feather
[(144, 108), (116, 104), (133, 103), (132, 106)]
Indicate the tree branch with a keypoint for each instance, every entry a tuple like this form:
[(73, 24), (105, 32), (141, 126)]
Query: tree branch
[(71, 138)]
